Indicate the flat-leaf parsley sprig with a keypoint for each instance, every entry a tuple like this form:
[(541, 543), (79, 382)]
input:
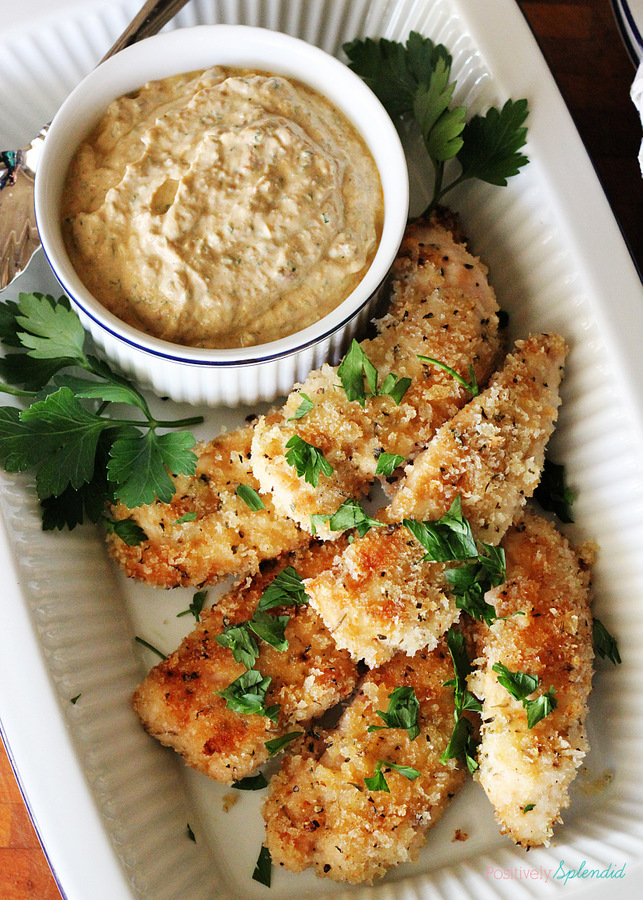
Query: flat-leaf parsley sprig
[(413, 81), (81, 453)]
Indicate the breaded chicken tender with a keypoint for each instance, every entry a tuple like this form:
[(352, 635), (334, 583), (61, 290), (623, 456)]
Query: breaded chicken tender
[(380, 596), (178, 701), (525, 772), (226, 537), (442, 306), (321, 814)]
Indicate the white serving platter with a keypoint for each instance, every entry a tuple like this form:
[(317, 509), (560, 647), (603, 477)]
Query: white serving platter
[(110, 805)]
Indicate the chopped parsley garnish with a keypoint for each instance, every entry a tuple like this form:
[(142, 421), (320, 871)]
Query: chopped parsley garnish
[(250, 497), (270, 629), (129, 531), (196, 606), (461, 743), (186, 517), (520, 685), (471, 386), (604, 644), (251, 783), (303, 409), (286, 589), (356, 369), (239, 640), (247, 695), (413, 81), (74, 700), (403, 710), (82, 456), (263, 868), (144, 643), (552, 492), (377, 781), (450, 538), (470, 582), (528, 807), (276, 745), (349, 515), (308, 461), (190, 833), (387, 463)]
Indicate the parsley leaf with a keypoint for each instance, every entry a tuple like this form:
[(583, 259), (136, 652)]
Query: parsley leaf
[(270, 629), (276, 745), (128, 530), (403, 711), (552, 492), (471, 582), (263, 868), (448, 538), (520, 685), (51, 330), (604, 644), (251, 783), (491, 144), (247, 694), (308, 461), (349, 515), (356, 367), (140, 462), (241, 643), (540, 707), (387, 463), (461, 743), (377, 782), (303, 409), (250, 497), (414, 81), (286, 589), (196, 606)]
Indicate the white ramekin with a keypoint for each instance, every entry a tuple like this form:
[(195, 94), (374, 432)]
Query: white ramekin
[(249, 374)]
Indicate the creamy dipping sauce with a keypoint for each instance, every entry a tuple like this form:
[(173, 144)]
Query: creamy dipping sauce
[(222, 208)]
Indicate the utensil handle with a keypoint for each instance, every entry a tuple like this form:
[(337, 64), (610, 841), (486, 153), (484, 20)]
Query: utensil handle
[(153, 15)]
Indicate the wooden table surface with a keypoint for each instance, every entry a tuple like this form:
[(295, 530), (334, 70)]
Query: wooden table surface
[(581, 43)]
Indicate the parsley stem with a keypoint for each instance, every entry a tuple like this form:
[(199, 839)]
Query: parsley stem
[(16, 392), (438, 192), (176, 423), (154, 423)]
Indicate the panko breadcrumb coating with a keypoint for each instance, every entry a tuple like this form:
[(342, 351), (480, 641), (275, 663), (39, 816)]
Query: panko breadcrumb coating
[(226, 537), (525, 772), (319, 812), (178, 702), (380, 596), (442, 306)]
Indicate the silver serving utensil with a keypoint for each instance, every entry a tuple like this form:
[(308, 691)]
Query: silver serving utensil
[(18, 233)]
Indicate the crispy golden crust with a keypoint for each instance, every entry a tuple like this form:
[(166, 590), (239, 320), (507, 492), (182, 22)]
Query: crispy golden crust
[(492, 451), (379, 597), (549, 584), (319, 812), (178, 704), (442, 306), (227, 537)]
